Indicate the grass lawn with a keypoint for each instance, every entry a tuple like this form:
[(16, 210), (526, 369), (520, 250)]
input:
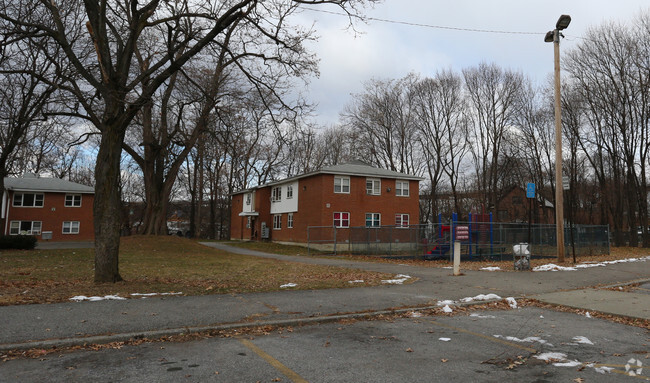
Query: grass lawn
[(160, 264)]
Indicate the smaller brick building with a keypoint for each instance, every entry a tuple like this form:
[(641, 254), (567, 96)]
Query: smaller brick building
[(348, 195), (52, 209)]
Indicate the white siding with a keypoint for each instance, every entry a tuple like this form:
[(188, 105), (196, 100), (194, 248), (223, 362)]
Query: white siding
[(286, 205), (248, 208)]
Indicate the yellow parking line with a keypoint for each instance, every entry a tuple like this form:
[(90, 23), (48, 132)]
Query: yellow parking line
[(289, 373), (490, 338)]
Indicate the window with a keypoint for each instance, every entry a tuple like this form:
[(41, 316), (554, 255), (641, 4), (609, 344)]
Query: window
[(25, 227), (341, 219), (28, 200), (402, 188), (289, 191), (516, 200), (373, 219), (401, 220), (71, 227), (290, 221), (502, 215), (276, 194), (248, 198), (73, 200), (341, 184), (373, 186), (277, 222), (248, 222)]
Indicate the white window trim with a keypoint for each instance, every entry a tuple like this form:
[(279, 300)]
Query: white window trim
[(22, 200), (290, 221), (401, 224), (29, 232), (248, 199), (376, 186), (277, 219), (71, 232), (276, 197), (290, 192), (408, 192), (65, 202), (342, 178), (341, 219), (378, 215)]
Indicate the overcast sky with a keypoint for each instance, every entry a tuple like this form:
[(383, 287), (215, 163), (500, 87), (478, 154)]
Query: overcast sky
[(391, 50)]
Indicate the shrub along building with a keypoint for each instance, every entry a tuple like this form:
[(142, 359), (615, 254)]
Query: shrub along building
[(48, 208), (342, 196)]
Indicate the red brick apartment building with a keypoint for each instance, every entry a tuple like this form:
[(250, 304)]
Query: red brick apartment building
[(347, 195), (52, 209)]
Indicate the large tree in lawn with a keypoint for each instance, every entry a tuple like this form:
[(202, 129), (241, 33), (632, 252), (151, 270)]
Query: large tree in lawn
[(100, 38)]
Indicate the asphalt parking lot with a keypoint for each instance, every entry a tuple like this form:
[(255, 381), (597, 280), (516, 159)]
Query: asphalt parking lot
[(524, 345)]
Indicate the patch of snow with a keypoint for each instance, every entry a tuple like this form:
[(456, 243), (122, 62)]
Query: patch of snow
[(356, 281), (585, 265), (144, 295), (481, 297), (512, 302), (444, 339), (604, 370), (446, 302), (551, 355), (80, 298), (447, 267), (491, 268), (587, 314), (553, 267), (416, 314), (570, 363), (541, 316), (288, 285), (530, 339), (399, 279), (482, 316), (582, 339), (447, 309)]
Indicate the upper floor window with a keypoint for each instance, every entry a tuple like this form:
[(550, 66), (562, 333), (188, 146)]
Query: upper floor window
[(373, 186), (289, 191), (28, 199), (248, 198), (73, 200), (341, 184), (402, 188), (276, 194)]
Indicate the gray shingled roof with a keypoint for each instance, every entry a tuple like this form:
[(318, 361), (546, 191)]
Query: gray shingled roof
[(46, 185), (354, 168)]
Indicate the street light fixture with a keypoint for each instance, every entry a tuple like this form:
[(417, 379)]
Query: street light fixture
[(554, 36)]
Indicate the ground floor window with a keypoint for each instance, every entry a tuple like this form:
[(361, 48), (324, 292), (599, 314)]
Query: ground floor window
[(71, 227), (373, 219), (277, 222), (401, 220), (25, 227), (290, 221), (341, 219), (248, 222)]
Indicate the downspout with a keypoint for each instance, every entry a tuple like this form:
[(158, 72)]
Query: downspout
[(5, 201)]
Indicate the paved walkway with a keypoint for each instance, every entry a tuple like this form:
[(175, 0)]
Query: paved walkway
[(78, 322)]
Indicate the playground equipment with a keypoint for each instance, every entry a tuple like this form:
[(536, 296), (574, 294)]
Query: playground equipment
[(479, 243)]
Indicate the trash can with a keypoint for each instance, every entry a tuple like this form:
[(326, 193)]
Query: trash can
[(521, 256)]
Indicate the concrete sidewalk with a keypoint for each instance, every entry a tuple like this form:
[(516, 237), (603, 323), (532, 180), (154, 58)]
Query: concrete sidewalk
[(86, 322)]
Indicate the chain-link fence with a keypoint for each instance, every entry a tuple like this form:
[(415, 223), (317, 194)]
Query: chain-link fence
[(486, 240)]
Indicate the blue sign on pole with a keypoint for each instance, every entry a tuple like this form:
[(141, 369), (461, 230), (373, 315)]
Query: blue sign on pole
[(530, 190)]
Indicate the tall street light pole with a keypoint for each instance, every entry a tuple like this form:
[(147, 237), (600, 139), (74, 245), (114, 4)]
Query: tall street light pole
[(554, 37)]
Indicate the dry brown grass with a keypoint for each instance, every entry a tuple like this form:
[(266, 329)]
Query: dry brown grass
[(160, 264)]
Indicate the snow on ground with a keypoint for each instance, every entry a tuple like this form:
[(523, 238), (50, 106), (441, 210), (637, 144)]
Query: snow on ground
[(587, 314), (146, 295), (512, 302), (444, 339), (356, 281), (548, 356), (530, 339), (582, 339), (475, 315), (80, 298), (447, 309), (585, 265), (481, 297), (288, 285), (399, 279), (491, 268), (415, 314)]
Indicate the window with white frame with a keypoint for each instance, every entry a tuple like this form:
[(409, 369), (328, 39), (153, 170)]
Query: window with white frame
[(28, 199), (289, 191), (373, 219), (341, 184), (276, 194), (71, 227), (373, 186), (290, 221), (248, 198), (402, 188), (73, 200), (277, 222), (401, 220), (341, 219), (248, 222), (25, 227)]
